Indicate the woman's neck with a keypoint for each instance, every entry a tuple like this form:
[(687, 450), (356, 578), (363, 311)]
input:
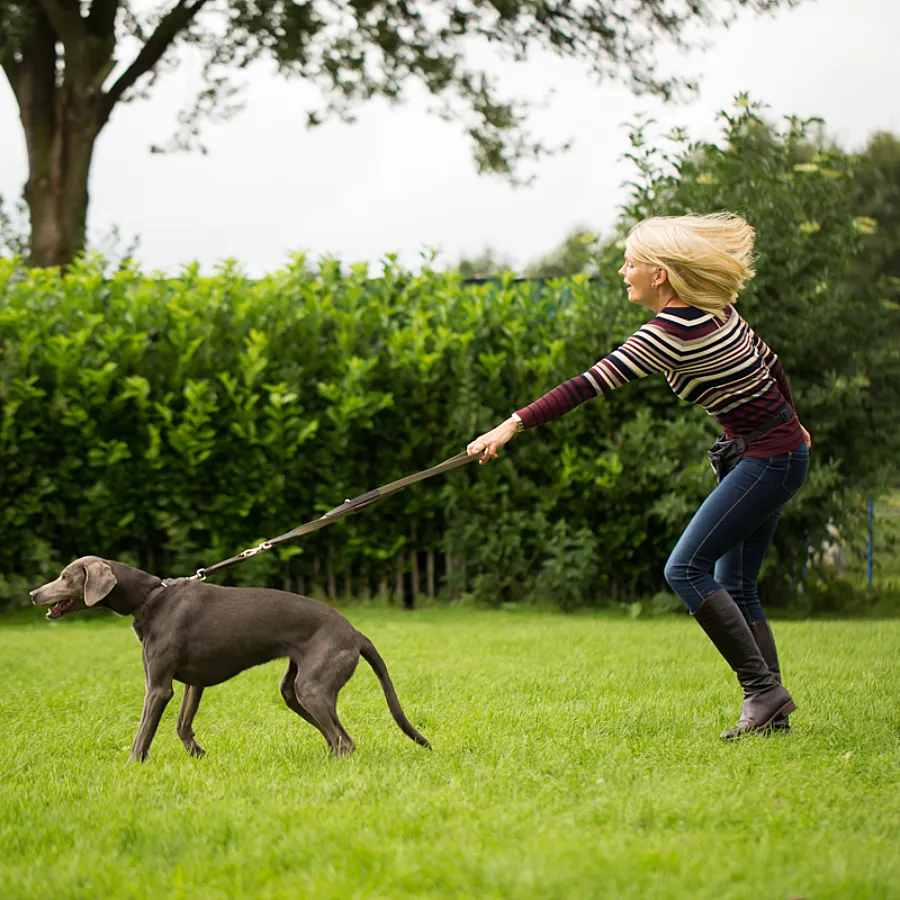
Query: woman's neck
[(673, 300)]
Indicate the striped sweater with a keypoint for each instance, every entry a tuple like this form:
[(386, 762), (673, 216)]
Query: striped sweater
[(722, 366)]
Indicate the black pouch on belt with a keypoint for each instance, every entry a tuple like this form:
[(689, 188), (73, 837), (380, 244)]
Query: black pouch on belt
[(726, 453)]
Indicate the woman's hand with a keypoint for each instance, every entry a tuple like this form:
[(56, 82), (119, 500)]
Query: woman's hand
[(491, 440), (806, 437)]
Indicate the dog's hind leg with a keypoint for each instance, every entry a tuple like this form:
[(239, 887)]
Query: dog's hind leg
[(320, 677), (185, 726), (290, 697)]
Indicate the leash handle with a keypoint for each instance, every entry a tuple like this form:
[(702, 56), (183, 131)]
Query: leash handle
[(345, 509)]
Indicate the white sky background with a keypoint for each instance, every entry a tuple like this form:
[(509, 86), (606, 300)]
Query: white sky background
[(400, 180)]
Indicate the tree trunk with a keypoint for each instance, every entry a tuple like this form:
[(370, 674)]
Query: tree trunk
[(454, 591), (57, 188), (415, 576), (429, 576), (61, 118), (401, 568), (332, 582)]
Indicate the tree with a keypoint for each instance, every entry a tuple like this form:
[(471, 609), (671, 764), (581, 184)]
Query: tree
[(484, 264), (577, 253), (877, 183), (63, 61)]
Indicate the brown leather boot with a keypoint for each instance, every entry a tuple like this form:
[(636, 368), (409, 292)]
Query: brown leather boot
[(764, 698), (765, 640)]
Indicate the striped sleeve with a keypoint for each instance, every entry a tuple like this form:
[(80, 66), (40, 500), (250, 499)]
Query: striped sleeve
[(650, 349), (773, 364)]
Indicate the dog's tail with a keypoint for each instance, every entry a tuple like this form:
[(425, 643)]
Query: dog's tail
[(373, 658)]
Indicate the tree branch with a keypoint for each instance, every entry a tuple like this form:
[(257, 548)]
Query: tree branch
[(101, 30), (168, 29), (101, 21), (65, 18)]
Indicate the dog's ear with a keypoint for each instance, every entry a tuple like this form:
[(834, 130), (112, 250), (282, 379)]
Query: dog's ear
[(98, 581)]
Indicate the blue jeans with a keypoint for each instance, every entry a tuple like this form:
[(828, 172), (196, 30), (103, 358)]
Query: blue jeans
[(733, 529)]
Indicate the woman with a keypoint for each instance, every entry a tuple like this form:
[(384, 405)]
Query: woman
[(688, 271)]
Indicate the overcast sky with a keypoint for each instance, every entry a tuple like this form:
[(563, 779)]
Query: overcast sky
[(402, 181)]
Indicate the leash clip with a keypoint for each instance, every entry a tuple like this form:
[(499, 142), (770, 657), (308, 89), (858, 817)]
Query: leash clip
[(252, 551)]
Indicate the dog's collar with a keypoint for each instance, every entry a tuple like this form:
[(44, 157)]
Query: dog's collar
[(150, 596), (169, 581)]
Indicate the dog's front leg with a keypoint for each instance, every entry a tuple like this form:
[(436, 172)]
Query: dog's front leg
[(185, 726), (155, 700)]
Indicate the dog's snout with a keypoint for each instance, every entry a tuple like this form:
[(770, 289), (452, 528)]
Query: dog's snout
[(33, 594)]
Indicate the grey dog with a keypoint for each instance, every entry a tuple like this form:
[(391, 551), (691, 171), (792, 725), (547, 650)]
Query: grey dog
[(203, 634)]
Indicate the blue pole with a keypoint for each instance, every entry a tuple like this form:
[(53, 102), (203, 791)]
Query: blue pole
[(870, 548)]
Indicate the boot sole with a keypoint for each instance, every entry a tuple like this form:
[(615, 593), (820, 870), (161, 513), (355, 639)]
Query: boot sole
[(784, 726), (785, 710)]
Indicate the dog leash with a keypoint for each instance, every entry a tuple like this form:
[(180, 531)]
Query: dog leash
[(345, 509)]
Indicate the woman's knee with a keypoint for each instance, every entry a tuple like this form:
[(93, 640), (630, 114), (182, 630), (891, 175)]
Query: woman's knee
[(677, 572)]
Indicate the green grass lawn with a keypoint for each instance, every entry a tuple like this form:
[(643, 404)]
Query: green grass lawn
[(573, 757)]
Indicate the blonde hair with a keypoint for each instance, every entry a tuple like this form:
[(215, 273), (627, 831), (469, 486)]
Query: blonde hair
[(708, 258)]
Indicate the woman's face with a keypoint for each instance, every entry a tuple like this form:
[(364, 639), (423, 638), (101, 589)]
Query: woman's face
[(640, 279)]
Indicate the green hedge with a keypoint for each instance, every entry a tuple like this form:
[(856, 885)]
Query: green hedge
[(174, 423)]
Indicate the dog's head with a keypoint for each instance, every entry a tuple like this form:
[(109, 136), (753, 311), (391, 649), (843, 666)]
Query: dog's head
[(81, 584)]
